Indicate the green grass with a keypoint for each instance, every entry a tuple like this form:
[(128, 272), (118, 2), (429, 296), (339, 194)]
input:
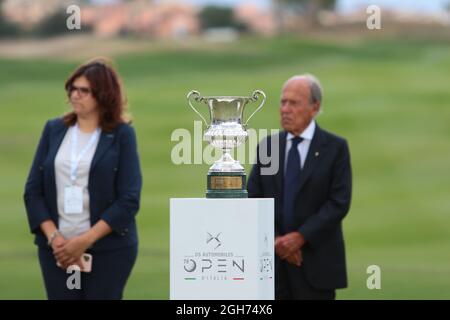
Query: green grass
[(389, 99)]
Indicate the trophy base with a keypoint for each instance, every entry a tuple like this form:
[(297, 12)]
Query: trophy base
[(226, 185)]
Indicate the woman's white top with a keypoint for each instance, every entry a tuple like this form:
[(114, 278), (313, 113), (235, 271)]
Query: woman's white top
[(72, 225)]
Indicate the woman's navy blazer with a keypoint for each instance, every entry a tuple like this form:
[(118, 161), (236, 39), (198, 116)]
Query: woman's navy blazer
[(114, 186)]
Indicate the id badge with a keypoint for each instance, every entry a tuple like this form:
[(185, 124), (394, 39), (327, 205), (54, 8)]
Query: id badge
[(73, 200)]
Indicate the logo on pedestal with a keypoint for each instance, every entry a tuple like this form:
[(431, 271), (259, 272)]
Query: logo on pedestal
[(210, 237), (208, 264)]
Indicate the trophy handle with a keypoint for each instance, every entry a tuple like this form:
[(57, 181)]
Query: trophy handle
[(197, 98), (254, 98)]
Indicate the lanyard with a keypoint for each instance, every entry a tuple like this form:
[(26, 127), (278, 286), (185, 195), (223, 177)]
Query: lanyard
[(74, 160)]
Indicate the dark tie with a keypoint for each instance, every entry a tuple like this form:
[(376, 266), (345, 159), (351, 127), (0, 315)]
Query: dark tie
[(291, 183)]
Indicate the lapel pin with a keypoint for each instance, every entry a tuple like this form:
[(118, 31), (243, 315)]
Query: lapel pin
[(317, 153)]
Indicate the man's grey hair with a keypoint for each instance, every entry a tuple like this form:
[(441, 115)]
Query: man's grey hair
[(314, 86), (316, 89)]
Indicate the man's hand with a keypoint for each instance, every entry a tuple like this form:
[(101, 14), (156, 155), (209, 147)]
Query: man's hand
[(71, 251), (280, 250), (288, 244), (296, 258)]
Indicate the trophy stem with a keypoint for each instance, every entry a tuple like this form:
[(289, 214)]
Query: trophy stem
[(226, 163)]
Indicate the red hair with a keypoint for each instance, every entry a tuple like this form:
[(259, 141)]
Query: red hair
[(106, 89)]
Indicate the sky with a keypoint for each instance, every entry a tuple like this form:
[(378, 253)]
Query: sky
[(409, 5)]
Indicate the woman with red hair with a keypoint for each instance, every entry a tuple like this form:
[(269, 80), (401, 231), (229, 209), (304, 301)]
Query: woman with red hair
[(83, 190)]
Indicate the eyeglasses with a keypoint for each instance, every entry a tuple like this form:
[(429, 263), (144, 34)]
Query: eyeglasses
[(82, 91)]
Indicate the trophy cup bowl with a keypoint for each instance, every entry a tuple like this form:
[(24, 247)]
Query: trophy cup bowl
[(226, 130)]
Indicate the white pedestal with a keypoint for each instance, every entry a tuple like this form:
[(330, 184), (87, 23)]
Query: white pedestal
[(221, 249)]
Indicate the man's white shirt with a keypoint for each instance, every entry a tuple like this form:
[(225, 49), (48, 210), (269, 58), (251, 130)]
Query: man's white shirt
[(303, 147)]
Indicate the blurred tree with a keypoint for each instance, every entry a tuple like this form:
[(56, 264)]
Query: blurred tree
[(52, 25), (219, 17), (305, 9), (7, 28), (55, 24)]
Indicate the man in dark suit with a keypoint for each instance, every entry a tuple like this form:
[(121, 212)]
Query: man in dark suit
[(312, 192)]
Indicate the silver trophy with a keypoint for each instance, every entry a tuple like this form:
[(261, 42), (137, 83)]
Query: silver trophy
[(226, 130)]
